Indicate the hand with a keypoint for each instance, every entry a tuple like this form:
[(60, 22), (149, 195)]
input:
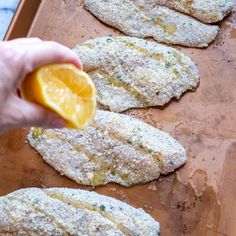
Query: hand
[(17, 59)]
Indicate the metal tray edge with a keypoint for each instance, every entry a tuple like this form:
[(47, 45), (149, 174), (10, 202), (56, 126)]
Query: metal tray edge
[(22, 19)]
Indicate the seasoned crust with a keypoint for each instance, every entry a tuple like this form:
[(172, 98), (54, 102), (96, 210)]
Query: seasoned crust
[(116, 148), (131, 72), (63, 211), (142, 19), (210, 11)]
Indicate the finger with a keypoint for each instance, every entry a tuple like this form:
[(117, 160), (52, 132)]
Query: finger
[(47, 53), (24, 41), (35, 115)]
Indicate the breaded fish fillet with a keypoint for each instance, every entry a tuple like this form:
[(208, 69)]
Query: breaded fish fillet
[(141, 19), (71, 212), (130, 72), (116, 148), (209, 11)]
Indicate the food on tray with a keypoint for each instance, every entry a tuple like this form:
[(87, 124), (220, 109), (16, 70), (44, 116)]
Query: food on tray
[(115, 148), (130, 72), (147, 19), (63, 211), (64, 89), (209, 11)]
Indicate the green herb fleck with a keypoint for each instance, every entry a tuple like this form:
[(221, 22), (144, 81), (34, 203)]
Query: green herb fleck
[(110, 145), (168, 64), (141, 145), (171, 162), (157, 93), (113, 173), (35, 201), (118, 76), (129, 141), (102, 208), (109, 40), (150, 151)]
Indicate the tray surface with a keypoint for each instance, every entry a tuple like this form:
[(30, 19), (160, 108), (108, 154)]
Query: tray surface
[(199, 199)]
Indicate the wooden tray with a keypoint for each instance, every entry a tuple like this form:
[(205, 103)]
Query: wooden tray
[(197, 200)]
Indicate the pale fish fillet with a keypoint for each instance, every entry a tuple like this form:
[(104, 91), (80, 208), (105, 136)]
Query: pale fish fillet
[(116, 148), (209, 11), (71, 212), (130, 72), (141, 19)]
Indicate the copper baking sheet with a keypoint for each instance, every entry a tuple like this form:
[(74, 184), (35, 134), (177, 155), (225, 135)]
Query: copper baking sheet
[(199, 199)]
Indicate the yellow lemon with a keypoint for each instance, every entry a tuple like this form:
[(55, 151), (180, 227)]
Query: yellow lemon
[(64, 89)]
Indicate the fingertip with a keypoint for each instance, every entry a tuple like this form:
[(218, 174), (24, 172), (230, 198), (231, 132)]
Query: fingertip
[(77, 62), (47, 118), (74, 59), (57, 123), (33, 114), (71, 56)]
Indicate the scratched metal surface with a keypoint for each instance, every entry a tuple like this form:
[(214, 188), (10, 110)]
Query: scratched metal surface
[(199, 198)]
